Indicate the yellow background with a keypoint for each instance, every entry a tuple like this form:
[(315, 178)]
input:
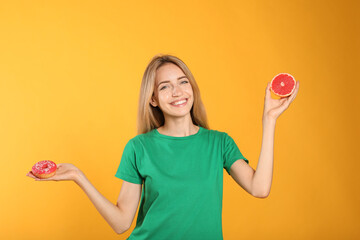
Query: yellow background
[(70, 74)]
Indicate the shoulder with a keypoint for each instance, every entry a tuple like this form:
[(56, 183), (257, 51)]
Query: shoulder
[(140, 139), (216, 133), (136, 144)]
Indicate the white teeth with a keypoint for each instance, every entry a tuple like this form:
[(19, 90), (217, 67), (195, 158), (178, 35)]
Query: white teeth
[(180, 102)]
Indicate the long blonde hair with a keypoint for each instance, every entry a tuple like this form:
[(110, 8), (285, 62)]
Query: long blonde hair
[(150, 117)]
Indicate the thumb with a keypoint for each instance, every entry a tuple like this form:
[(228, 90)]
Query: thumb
[(267, 91)]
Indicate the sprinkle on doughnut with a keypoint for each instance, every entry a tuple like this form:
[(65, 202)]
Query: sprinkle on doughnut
[(44, 169)]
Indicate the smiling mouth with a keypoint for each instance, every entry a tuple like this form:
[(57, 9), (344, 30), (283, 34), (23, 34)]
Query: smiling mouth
[(180, 103)]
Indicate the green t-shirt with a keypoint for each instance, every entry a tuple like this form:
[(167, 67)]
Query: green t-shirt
[(182, 181)]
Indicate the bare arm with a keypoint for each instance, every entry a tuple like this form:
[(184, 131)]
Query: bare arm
[(119, 216), (273, 108), (113, 214), (262, 178), (258, 183)]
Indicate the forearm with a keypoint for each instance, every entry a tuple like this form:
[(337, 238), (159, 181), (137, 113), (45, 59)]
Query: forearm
[(263, 175), (110, 212)]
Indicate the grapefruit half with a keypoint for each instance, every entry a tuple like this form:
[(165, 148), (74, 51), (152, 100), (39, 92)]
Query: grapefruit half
[(283, 85)]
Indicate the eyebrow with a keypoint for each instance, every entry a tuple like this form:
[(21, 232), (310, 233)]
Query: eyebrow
[(169, 81)]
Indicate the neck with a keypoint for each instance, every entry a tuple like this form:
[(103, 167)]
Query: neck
[(179, 128)]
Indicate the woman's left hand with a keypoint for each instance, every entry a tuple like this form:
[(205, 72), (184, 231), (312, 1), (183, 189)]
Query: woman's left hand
[(274, 107)]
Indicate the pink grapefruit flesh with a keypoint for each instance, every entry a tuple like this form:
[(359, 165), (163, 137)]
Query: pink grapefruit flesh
[(283, 85)]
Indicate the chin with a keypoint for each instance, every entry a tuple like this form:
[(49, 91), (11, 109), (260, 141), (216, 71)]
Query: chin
[(178, 114)]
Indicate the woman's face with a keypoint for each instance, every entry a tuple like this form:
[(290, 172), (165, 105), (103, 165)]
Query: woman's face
[(172, 86)]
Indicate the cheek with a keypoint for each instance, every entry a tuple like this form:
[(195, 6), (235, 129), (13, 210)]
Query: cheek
[(164, 98), (189, 91)]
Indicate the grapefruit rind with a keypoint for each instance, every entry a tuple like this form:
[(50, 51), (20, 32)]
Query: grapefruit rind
[(283, 95)]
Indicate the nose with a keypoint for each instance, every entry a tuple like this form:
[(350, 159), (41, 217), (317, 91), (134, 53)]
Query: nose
[(177, 91)]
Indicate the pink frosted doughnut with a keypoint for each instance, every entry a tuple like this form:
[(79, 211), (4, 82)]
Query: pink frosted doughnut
[(44, 169)]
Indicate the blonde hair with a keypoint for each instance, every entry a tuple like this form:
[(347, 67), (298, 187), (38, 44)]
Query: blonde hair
[(150, 117)]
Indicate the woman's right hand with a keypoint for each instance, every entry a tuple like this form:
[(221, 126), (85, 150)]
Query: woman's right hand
[(64, 172)]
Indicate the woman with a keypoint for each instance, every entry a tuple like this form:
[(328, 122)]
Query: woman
[(175, 163)]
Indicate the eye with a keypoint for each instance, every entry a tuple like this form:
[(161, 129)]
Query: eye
[(162, 87), (184, 81)]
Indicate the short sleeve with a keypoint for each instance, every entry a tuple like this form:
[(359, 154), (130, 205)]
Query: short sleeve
[(231, 153), (128, 169)]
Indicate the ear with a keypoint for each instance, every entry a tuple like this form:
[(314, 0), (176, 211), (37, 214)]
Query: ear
[(153, 101)]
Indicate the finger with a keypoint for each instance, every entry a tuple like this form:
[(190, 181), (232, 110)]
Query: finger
[(45, 179), (285, 102), (282, 100), (30, 174), (292, 97), (267, 91), (297, 88)]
